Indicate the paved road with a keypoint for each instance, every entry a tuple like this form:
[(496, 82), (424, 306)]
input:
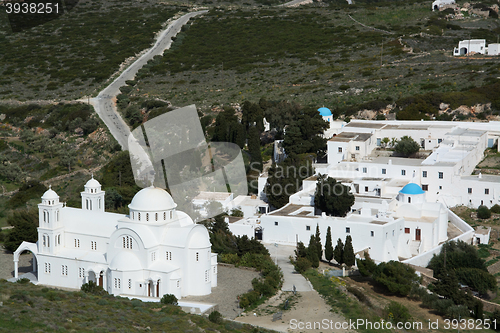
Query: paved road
[(292, 278), (103, 103)]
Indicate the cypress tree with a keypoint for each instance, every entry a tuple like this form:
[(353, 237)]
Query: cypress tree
[(338, 253), (312, 252), (348, 255), (254, 148), (318, 243), (329, 245)]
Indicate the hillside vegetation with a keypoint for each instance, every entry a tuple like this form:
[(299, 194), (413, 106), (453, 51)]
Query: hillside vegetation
[(29, 308)]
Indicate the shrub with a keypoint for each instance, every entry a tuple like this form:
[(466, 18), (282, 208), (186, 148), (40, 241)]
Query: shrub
[(396, 312), (495, 209), (169, 299), (23, 281), (92, 288), (301, 265), (215, 317), (483, 212), (230, 258)]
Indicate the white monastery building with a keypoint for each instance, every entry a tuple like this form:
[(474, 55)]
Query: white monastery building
[(401, 210), (155, 250)]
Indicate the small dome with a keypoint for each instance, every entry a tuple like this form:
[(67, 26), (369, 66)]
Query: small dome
[(324, 112), (412, 188), (93, 183), (125, 261), (50, 194), (152, 199)]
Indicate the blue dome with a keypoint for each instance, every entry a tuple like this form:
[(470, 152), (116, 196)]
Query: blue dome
[(325, 112), (411, 188)]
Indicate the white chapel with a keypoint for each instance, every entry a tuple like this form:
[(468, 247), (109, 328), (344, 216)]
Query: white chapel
[(155, 250)]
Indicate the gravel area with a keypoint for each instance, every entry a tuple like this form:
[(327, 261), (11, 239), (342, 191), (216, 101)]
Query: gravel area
[(7, 263), (231, 282)]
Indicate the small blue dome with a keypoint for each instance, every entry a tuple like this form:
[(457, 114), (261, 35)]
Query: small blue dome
[(411, 188), (325, 112)]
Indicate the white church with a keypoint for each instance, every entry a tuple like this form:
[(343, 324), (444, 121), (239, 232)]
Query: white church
[(153, 251)]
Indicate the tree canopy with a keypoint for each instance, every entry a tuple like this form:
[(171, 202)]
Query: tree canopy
[(304, 134), (25, 223), (406, 146), (332, 197)]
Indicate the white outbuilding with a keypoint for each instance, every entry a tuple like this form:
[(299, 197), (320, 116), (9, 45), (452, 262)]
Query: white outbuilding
[(470, 46), (438, 4), (155, 250)]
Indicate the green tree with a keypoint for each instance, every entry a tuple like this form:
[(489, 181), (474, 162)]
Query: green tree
[(366, 266), (397, 313), (227, 128), (285, 179), (300, 251), (483, 212), (304, 134), (312, 252), (332, 197), (397, 277), (329, 245), (220, 224), (407, 146), (317, 239), (338, 252), (348, 254), (254, 148), (252, 114), (67, 159), (25, 223), (385, 141), (113, 199)]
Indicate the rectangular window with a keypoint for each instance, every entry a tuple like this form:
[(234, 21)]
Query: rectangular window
[(129, 283), (393, 233), (365, 170), (403, 172), (384, 171), (197, 256), (486, 191), (425, 187), (357, 147), (275, 222), (469, 190), (353, 155), (64, 270), (340, 149), (308, 227), (440, 175), (77, 242), (372, 233), (348, 230), (366, 188), (440, 140), (424, 174), (407, 230), (440, 187), (93, 245)]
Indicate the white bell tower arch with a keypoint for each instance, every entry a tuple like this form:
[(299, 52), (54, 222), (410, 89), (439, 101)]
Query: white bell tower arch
[(93, 197)]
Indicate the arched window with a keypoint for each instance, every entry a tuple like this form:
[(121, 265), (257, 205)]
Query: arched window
[(87, 203), (171, 214), (99, 202), (57, 215), (132, 215), (44, 241), (48, 241), (44, 216), (90, 204)]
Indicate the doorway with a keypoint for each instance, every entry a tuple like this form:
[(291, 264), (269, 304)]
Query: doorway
[(258, 233), (417, 234)]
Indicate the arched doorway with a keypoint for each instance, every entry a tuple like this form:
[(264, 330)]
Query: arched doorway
[(92, 277), (463, 51), (30, 271), (158, 288), (101, 279), (258, 233)]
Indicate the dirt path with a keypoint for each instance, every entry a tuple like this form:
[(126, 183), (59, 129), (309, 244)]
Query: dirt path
[(310, 307)]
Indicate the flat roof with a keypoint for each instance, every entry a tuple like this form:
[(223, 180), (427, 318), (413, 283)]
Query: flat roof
[(482, 230), (484, 178), (364, 125), (466, 132), (351, 136), (289, 209), (397, 160), (378, 222)]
